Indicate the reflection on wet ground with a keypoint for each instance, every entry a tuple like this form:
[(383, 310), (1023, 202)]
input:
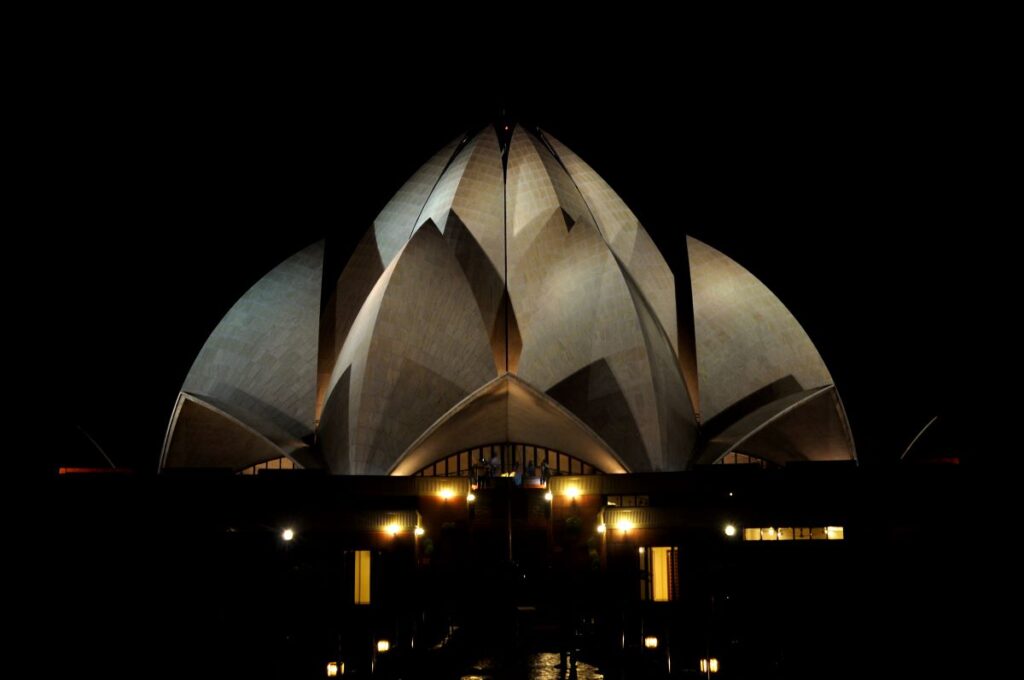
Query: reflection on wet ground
[(544, 666), (540, 666)]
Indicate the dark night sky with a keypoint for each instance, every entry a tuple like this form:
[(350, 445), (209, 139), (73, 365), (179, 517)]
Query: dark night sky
[(855, 188)]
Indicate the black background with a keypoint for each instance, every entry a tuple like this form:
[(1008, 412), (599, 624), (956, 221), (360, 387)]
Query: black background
[(857, 180)]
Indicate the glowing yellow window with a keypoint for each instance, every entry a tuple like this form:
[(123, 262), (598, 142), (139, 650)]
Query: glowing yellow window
[(768, 534), (802, 533), (660, 566), (752, 534), (834, 533), (818, 534), (362, 590), (785, 533)]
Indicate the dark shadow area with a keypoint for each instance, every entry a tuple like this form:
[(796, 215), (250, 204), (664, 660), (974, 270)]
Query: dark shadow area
[(334, 426), (486, 282), (783, 387), (593, 395)]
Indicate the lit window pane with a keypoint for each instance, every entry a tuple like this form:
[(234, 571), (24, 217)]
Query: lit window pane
[(362, 581), (834, 533), (752, 534), (659, 574), (768, 534), (818, 534), (802, 534), (785, 534)]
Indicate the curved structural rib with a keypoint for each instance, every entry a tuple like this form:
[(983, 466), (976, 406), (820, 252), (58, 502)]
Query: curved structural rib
[(627, 238), (468, 207), (378, 249), (746, 338), (753, 357), (507, 410), (416, 349), (201, 435), (815, 431), (788, 429), (581, 324), (259, 363)]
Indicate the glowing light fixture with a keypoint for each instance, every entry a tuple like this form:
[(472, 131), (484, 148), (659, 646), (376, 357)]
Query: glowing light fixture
[(287, 534), (601, 528), (651, 642), (548, 496), (333, 668), (447, 494), (624, 525), (640, 550), (730, 530), (383, 646), (393, 528), (572, 492), (470, 497), (419, 531), (709, 665)]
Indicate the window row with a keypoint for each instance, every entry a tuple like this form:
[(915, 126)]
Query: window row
[(629, 501), (793, 534), (734, 458), (530, 459), (275, 464)]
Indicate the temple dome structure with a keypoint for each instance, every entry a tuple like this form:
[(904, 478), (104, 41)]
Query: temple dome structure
[(506, 297)]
